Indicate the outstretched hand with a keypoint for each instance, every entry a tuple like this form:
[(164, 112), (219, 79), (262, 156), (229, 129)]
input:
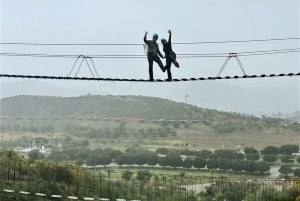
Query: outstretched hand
[(169, 31), (146, 32)]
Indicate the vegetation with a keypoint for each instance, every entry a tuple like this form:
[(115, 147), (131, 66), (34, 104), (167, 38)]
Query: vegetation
[(156, 146), (44, 177)]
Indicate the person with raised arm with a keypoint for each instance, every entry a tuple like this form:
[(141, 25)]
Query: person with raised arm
[(170, 55), (153, 54)]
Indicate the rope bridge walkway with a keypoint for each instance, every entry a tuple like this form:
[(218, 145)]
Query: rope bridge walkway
[(46, 77)]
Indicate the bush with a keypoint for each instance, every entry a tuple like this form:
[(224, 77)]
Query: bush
[(174, 159), (199, 162), (252, 157), (250, 150), (270, 150), (285, 169), (287, 159), (270, 158), (205, 154), (212, 164), (297, 172), (289, 149), (162, 150), (187, 163), (298, 159)]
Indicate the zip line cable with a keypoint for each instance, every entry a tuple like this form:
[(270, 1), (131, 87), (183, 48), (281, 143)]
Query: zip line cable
[(136, 44), (136, 56), (46, 77)]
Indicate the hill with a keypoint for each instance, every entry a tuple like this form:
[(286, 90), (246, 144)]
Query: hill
[(125, 121), (106, 106)]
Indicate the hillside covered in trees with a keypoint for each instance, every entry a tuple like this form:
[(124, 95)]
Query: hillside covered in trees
[(113, 106), (125, 121)]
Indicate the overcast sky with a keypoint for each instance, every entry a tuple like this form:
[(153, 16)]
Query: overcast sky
[(125, 21)]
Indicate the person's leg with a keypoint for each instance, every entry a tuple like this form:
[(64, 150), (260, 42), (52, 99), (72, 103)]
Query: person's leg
[(158, 61), (176, 63), (173, 58), (150, 61), (168, 67)]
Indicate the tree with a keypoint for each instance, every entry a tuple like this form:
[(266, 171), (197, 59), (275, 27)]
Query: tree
[(227, 154), (298, 159), (285, 169), (297, 172), (92, 160), (262, 167), (212, 164), (225, 164), (270, 158), (250, 150), (59, 156), (139, 158), (287, 159), (111, 153), (151, 158), (64, 174), (270, 150), (163, 161), (248, 166), (121, 159), (174, 159), (187, 163), (35, 155), (238, 166), (205, 154), (251, 154), (289, 149), (162, 150), (199, 162), (252, 157)]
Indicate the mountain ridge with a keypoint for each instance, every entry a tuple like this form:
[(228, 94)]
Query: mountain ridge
[(106, 105)]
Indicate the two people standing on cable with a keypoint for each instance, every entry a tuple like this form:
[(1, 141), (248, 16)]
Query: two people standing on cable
[(153, 54)]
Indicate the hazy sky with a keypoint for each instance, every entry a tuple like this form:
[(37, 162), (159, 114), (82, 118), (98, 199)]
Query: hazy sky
[(125, 21)]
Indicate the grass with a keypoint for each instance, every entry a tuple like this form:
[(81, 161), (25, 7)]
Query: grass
[(199, 176)]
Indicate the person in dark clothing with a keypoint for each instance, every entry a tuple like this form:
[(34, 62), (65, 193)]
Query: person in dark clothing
[(170, 55), (153, 53)]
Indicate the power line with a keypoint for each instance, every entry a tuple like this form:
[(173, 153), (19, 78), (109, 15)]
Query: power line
[(136, 44), (144, 80), (137, 56), (239, 41)]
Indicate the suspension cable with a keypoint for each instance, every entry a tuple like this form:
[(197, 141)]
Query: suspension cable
[(46, 77), (135, 44)]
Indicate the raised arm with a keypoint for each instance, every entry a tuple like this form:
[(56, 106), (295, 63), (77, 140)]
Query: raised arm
[(145, 37), (170, 36)]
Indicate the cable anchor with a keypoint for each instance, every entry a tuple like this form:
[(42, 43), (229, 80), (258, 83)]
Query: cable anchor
[(231, 55), (85, 59)]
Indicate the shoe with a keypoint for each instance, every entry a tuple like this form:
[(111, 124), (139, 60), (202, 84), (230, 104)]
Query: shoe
[(169, 79), (176, 64), (151, 79)]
